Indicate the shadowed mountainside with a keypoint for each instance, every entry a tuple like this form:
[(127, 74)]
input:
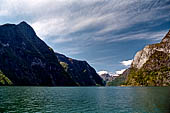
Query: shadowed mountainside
[(26, 60), (80, 71)]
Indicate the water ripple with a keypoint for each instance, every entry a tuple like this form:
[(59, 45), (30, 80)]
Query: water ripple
[(85, 99)]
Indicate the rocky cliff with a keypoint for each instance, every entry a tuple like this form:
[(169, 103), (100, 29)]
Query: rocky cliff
[(26, 60), (144, 55), (150, 67), (80, 71)]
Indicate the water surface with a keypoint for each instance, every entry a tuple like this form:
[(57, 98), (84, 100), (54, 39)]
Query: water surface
[(85, 99)]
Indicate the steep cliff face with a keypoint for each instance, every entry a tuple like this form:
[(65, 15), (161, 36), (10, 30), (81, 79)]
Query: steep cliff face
[(143, 56), (80, 71), (151, 66), (26, 60)]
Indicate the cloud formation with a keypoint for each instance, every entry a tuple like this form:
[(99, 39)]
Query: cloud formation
[(120, 72), (78, 27), (102, 72), (117, 73), (126, 62), (96, 18)]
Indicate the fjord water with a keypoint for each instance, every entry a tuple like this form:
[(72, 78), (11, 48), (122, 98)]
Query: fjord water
[(85, 99)]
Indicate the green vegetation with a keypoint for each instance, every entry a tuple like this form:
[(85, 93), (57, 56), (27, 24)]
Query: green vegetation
[(98, 85), (84, 70), (51, 49), (4, 80), (64, 65), (153, 73), (144, 77), (117, 82)]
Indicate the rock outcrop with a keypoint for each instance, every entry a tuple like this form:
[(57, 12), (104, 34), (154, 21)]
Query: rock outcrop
[(150, 67), (143, 56)]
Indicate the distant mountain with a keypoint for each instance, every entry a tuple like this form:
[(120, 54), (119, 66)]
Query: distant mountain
[(120, 80), (106, 76), (150, 67), (80, 71), (26, 60)]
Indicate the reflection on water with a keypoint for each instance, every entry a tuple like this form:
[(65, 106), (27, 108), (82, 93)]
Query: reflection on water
[(85, 99)]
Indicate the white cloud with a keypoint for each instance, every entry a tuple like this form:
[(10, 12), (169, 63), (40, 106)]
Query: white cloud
[(103, 72), (71, 51), (4, 12), (87, 22), (63, 17), (126, 63), (49, 27), (62, 40), (83, 23), (139, 35), (120, 72), (117, 73)]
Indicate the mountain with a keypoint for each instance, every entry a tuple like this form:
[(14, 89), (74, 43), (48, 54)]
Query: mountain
[(80, 71), (106, 76), (120, 80), (151, 66), (26, 60)]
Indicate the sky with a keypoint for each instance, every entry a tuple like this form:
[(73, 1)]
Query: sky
[(105, 33)]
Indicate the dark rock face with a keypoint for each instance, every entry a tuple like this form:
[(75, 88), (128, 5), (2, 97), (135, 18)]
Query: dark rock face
[(27, 60), (80, 71)]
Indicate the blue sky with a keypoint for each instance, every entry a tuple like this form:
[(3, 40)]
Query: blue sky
[(105, 33)]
